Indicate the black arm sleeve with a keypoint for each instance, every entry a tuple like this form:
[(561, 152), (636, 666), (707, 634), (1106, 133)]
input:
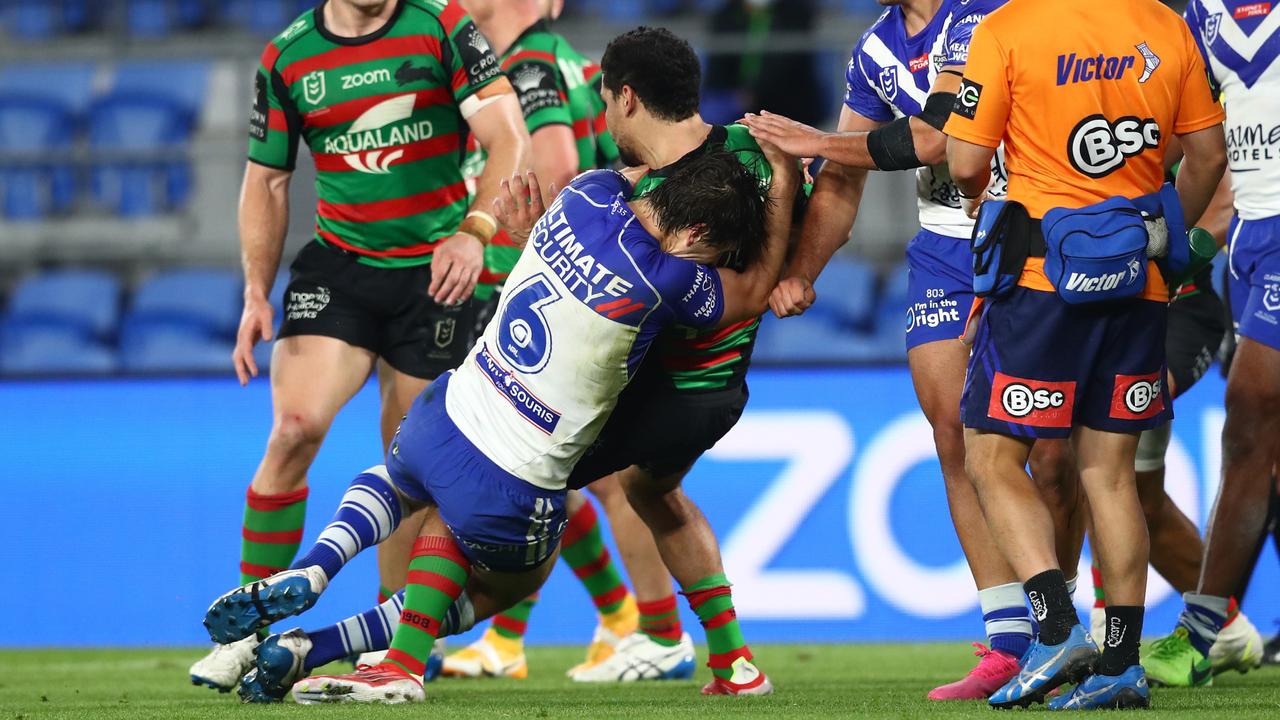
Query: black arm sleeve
[(937, 109), (892, 148)]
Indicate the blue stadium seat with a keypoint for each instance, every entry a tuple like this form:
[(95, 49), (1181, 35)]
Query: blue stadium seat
[(177, 353), (84, 302), (265, 17), (30, 19), (846, 292), (192, 303), (183, 83), (39, 108), (33, 130), (150, 19), (815, 339), (140, 165), (56, 353)]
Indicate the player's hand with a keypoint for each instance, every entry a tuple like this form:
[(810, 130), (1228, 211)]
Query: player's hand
[(785, 168), (455, 268), (519, 205), (255, 325), (971, 206), (795, 138), (792, 296)]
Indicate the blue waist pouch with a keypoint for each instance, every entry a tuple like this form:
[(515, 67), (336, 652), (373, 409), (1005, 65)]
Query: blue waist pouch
[(1000, 243), (1096, 253)]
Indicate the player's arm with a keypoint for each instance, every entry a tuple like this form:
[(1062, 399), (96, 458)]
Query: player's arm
[(1217, 218), (904, 144), (494, 117), (1204, 160), (275, 129), (828, 219), (746, 293), (970, 166), (543, 97)]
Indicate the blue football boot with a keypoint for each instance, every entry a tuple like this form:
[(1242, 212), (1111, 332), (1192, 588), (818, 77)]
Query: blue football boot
[(249, 608), (279, 664), (1125, 691), (1046, 667)]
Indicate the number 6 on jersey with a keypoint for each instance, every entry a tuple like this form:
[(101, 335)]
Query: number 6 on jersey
[(524, 338)]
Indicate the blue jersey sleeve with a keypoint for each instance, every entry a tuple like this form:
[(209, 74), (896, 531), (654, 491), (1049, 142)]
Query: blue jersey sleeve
[(964, 19), (689, 293), (860, 94)]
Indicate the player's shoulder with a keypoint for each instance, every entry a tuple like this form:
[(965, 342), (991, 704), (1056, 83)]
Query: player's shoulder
[(738, 140), (883, 28), (292, 41), (434, 16), (597, 195), (972, 12)]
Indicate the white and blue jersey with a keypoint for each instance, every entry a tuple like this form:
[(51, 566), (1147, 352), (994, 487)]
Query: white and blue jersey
[(1240, 42), (582, 305), (889, 77)]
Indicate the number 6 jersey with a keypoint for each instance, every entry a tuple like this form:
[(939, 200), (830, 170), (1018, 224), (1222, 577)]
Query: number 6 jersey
[(590, 292)]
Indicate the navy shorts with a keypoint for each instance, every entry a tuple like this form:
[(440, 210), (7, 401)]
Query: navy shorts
[(1040, 367), (1255, 279), (500, 522), (939, 287)]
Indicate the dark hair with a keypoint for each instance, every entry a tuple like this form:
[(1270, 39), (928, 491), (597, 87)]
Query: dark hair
[(661, 68), (717, 191)]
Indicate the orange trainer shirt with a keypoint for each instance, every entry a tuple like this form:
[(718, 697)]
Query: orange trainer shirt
[(1084, 94)]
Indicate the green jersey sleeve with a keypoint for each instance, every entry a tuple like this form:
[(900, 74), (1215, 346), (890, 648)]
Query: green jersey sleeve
[(465, 53), (275, 127), (544, 99)]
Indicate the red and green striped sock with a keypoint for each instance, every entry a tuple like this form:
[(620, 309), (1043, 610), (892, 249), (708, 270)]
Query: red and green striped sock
[(384, 594), (1099, 594), (712, 600), (513, 623), (437, 574), (271, 534), (583, 548), (660, 620)]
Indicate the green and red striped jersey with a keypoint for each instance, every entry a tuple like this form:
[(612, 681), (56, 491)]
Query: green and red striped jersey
[(383, 117), (556, 85), (704, 360)]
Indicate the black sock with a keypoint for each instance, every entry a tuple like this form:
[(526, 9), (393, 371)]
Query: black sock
[(1120, 644), (1051, 606)]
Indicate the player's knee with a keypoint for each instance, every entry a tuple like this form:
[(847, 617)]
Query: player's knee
[(298, 432), (948, 440), (1052, 468)]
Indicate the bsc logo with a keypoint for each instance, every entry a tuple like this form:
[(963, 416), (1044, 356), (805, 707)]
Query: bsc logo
[(1098, 147), (1137, 397), (1031, 402)]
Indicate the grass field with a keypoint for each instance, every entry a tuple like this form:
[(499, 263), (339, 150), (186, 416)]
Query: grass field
[(813, 681)]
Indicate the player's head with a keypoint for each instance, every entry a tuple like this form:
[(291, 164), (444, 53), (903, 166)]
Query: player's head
[(887, 3), (710, 209), (367, 5), (551, 9), (647, 73)]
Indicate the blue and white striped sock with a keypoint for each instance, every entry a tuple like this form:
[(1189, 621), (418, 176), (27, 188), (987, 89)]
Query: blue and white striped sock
[(370, 510), (1004, 610), (1203, 617), (371, 630)]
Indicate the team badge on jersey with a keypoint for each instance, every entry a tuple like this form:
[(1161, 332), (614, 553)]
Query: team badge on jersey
[(1211, 25), (889, 83), (313, 87)]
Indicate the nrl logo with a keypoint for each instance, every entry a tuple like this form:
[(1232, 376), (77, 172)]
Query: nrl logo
[(528, 77), (889, 83), (313, 87), (1211, 25)]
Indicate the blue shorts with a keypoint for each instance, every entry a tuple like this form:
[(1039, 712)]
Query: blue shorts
[(500, 522), (1255, 279), (1041, 367), (939, 287)]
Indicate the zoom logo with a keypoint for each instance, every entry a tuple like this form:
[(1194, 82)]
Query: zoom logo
[(1098, 147)]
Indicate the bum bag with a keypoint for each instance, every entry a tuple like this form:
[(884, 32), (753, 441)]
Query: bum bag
[(1000, 243)]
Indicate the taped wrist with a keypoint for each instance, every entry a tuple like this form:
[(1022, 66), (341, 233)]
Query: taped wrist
[(937, 109), (892, 148)]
